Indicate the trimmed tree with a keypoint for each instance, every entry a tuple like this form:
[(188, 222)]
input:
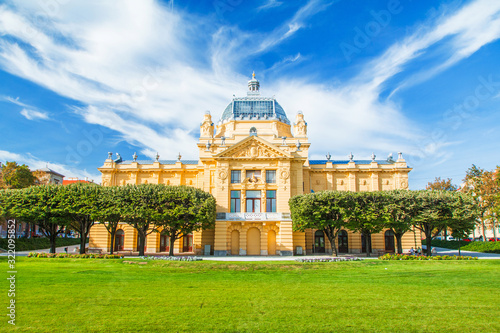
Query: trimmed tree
[(366, 214), (41, 205), (323, 211), (401, 208), (108, 213), (139, 206), (433, 215), (183, 210), (81, 202)]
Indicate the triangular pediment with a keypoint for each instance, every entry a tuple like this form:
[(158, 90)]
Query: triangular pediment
[(253, 147)]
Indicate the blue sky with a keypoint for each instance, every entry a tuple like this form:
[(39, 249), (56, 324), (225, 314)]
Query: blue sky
[(79, 79)]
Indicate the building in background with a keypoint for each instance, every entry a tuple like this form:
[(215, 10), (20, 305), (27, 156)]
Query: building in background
[(73, 180), (253, 161), (48, 176)]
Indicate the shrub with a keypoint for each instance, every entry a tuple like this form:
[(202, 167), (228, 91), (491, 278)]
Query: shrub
[(333, 259), (74, 256), (487, 247), (173, 258), (389, 256)]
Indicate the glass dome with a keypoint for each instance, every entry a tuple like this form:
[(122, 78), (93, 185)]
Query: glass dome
[(255, 108)]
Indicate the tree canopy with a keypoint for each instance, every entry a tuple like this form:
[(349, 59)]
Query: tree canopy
[(15, 176), (371, 212), (441, 185)]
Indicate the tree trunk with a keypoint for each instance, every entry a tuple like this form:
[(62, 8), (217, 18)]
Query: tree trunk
[(399, 237), (142, 241), (368, 243), (332, 235), (333, 245), (172, 241), (484, 231), (493, 228), (112, 248), (52, 238), (82, 244), (428, 240), (26, 230)]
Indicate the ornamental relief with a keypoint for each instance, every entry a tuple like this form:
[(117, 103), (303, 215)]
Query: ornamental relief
[(223, 175), (255, 151)]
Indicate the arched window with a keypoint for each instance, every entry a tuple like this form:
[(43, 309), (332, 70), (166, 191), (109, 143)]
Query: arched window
[(253, 131)]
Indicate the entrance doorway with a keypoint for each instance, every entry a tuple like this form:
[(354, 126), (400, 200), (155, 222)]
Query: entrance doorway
[(253, 242), (319, 242), (343, 242), (271, 243), (164, 241), (119, 240), (389, 241), (235, 242), (187, 243)]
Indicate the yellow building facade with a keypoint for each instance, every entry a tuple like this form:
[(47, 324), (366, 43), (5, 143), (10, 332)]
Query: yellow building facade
[(253, 160)]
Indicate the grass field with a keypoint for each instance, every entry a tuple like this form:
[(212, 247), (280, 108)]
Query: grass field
[(87, 295)]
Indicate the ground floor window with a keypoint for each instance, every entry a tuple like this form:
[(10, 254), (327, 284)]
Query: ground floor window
[(389, 241), (343, 242), (363, 244), (187, 243), (119, 240), (164, 242), (319, 242)]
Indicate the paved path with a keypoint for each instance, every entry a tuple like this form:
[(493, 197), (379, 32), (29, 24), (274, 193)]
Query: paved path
[(442, 251), (71, 249)]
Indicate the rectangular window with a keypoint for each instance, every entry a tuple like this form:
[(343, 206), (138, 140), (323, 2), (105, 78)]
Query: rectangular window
[(253, 202), (235, 176), (271, 176), (251, 174), (271, 201), (235, 201)]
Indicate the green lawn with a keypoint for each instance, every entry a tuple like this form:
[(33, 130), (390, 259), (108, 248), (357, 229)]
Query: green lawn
[(89, 295)]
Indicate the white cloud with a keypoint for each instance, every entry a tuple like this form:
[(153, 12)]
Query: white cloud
[(149, 72), (29, 112), (269, 4), (35, 163), (33, 115)]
